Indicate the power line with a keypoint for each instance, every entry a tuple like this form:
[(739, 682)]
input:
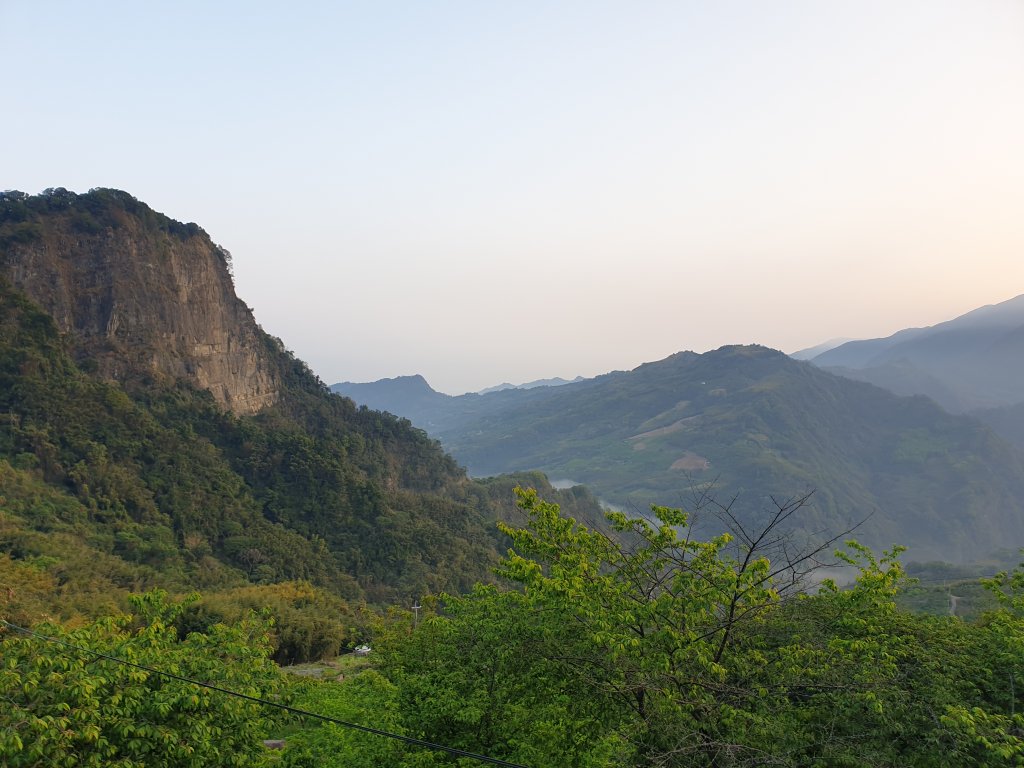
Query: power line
[(266, 702)]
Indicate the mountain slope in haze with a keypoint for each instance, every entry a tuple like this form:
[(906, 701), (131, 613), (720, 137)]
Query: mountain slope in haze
[(1006, 421), (410, 396), (557, 381), (753, 422), (973, 361), (118, 438), (413, 398), (811, 352)]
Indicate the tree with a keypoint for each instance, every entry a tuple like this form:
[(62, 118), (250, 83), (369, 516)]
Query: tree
[(367, 699), (495, 675), (662, 614), (67, 707)]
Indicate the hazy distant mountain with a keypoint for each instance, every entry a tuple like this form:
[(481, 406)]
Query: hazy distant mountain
[(558, 381), (817, 349), (901, 377), (752, 421), (973, 361), (408, 396), (413, 398)]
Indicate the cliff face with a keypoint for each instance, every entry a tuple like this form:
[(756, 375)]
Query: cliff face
[(139, 292)]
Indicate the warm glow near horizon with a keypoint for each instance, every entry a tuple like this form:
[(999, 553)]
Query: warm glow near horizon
[(505, 192)]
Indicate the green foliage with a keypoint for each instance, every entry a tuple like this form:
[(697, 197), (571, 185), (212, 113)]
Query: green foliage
[(367, 699), (650, 648), (657, 619), (90, 213), (64, 707), (478, 678), (679, 652), (311, 489), (627, 641), (308, 623)]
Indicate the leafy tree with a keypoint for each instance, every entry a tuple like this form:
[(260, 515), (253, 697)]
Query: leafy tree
[(309, 623), (66, 707), (652, 648), (658, 616), (368, 699), (993, 729), (494, 675)]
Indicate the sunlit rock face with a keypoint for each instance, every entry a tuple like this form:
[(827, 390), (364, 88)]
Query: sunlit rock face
[(144, 297)]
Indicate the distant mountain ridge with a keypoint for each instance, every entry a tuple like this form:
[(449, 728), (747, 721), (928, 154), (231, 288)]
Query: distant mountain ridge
[(751, 421), (413, 398), (557, 381), (412, 394), (812, 352), (973, 361)]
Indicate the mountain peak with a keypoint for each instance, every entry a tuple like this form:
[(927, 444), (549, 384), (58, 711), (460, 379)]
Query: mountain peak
[(411, 383)]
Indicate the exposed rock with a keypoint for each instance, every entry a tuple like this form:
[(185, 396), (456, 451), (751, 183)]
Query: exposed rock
[(142, 298)]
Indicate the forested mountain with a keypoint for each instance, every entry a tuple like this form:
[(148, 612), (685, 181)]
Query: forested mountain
[(973, 361), (753, 422), (416, 400), (153, 434), (137, 293)]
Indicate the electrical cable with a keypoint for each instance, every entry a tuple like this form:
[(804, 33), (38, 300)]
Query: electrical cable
[(266, 702)]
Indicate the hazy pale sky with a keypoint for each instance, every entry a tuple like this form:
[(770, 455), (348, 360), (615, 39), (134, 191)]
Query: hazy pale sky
[(485, 192)]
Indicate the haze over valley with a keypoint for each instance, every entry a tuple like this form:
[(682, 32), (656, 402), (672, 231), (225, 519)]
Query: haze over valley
[(679, 406), (749, 422)]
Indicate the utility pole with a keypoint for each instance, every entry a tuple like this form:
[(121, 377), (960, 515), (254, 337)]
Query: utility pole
[(416, 614)]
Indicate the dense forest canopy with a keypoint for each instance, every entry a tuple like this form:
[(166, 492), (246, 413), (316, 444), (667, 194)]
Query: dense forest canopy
[(666, 651)]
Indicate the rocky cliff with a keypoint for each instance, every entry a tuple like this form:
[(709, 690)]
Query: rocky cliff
[(139, 292)]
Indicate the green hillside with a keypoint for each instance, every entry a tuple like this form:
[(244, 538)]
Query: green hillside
[(636, 644), (112, 486), (170, 481), (752, 422)]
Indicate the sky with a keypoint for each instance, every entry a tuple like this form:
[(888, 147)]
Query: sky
[(483, 192)]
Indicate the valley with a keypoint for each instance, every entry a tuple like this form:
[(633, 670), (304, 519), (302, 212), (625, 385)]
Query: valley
[(745, 422)]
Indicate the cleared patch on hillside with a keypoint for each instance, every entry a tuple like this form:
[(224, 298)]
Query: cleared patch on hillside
[(667, 430), (691, 462)]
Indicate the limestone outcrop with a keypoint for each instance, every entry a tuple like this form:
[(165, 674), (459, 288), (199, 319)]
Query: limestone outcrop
[(142, 294)]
